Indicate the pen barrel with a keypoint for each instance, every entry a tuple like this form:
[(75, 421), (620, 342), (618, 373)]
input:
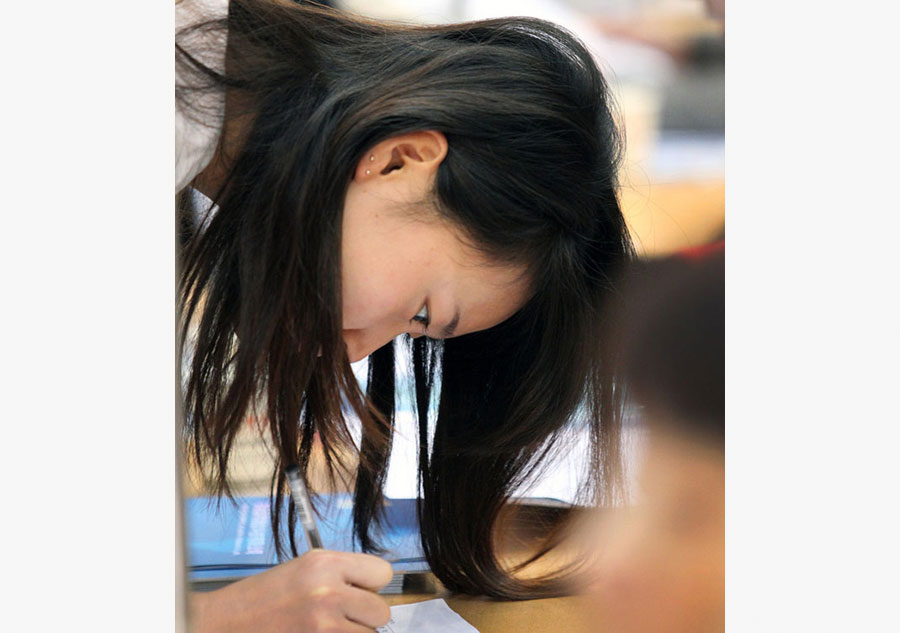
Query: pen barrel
[(303, 506), (312, 536)]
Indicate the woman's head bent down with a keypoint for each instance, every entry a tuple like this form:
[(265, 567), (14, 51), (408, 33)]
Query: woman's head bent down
[(456, 182), (404, 267)]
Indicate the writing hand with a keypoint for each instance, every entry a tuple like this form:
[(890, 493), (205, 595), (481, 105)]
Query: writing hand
[(318, 592)]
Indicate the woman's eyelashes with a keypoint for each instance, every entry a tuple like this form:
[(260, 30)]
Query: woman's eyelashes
[(423, 317)]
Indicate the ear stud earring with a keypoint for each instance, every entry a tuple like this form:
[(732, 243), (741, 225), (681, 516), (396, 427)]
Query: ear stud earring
[(368, 172)]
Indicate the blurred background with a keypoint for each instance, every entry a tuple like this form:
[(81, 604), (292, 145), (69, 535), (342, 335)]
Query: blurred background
[(665, 61)]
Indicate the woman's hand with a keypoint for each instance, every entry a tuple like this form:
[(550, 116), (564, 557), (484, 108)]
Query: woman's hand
[(317, 592)]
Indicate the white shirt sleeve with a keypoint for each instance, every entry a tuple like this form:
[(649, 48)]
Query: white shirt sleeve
[(197, 130)]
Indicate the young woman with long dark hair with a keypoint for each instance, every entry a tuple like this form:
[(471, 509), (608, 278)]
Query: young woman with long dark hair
[(454, 183)]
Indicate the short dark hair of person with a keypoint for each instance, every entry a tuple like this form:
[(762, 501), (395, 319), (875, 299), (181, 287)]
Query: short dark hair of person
[(671, 331), (531, 178)]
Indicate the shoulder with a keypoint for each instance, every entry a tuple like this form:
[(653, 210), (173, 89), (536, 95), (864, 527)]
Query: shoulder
[(190, 12), (199, 109)]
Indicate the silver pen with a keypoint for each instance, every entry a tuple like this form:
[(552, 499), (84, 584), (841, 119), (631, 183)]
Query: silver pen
[(304, 507)]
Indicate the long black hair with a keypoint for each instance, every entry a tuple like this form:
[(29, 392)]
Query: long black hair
[(530, 177)]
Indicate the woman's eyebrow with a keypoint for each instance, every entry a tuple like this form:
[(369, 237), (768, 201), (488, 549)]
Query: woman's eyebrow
[(450, 329)]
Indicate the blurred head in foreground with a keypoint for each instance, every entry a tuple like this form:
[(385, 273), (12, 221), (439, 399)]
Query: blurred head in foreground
[(660, 563)]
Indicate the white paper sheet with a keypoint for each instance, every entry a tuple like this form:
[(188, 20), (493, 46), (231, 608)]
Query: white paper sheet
[(430, 616)]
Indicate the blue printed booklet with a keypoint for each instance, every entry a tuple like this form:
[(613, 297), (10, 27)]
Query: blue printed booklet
[(233, 541)]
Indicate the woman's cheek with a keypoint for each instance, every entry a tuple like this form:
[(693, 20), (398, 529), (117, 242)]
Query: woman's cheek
[(368, 308), (360, 302)]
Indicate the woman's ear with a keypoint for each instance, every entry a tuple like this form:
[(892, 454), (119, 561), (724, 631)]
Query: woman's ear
[(418, 152)]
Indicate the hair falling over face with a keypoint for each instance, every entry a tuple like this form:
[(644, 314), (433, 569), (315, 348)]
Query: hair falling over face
[(530, 176)]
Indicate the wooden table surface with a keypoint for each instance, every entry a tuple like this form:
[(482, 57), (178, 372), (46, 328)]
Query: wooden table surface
[(551, 615), (524, 529)]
